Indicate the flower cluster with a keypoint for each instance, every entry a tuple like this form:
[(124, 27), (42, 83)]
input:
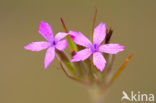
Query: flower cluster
[(89, 61), (59, 43)]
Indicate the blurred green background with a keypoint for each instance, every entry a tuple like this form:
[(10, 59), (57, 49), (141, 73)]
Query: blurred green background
[(23, 78)]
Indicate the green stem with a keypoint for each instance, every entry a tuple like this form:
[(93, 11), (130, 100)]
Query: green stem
[(97, 95)]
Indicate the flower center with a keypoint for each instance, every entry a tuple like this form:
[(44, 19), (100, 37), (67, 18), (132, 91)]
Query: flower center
[(95, 48), (54, 43)]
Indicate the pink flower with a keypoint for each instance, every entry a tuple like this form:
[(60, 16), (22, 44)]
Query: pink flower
[(95, 48), (51, 43)]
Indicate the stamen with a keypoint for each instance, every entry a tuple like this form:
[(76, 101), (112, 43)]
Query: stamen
[(94, 46), (54, 43)]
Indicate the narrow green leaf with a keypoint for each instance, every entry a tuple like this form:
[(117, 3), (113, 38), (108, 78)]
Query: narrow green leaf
[(122, 67), (93, 24), (71, 44)]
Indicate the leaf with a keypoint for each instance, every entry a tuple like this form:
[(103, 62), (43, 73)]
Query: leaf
[(122, 67), (93, 24), (71, 44)]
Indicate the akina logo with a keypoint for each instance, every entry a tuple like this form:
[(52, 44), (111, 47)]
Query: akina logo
[(137, 97)]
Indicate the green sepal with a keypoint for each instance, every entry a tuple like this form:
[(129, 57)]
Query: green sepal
[(71, 44), (66, 62)]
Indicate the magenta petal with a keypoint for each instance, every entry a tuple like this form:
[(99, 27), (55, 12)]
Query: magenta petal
[(111, 48), (37, 46), (61, 45), (60, 36), (49, 57), (80, 39), (99, 61), (99, 34), (81, 55), (45, 31)]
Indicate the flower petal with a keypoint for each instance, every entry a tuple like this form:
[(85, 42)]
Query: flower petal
[(80, 39), (81, 55), (49, 57), (37, 46), (99, 61), (61, 45), (60, 36), (111, 48), (45, 31), (99, 34)]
